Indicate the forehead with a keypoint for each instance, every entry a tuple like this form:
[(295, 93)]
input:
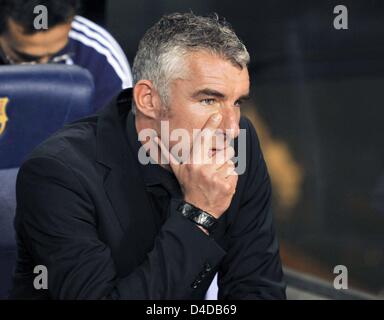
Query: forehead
[(52, 38), (205, 69)]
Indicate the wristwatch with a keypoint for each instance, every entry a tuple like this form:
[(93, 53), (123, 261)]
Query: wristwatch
[(198, 216)]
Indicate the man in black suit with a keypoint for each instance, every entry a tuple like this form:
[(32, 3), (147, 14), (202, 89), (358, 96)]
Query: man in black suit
[(108, 225)]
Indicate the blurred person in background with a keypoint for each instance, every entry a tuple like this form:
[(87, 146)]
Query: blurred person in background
[(69, 39)]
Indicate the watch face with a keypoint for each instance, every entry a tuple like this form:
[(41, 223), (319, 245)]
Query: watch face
[(203, 219), (186, 209)]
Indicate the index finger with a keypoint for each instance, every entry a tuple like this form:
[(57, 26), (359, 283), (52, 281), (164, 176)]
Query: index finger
[(205, 135)]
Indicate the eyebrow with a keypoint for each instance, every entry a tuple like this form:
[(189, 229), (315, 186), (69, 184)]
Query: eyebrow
[(244, 97), (218, 94), (208, 92)]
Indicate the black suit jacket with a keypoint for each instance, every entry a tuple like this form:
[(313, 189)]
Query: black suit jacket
[(83, 212)]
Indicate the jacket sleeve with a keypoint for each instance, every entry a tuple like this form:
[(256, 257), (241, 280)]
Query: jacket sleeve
[(58, 223), (252, 267)]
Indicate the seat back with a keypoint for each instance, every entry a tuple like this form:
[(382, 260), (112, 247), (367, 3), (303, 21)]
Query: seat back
[(7, 232), (37, 100)]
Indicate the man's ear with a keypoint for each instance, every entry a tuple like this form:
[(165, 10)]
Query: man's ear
[(147, 99)]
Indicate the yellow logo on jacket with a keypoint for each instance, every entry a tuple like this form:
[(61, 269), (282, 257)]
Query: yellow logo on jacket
[(3, 114)]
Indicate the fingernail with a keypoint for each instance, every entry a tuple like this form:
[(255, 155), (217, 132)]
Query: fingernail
[(216, 117)]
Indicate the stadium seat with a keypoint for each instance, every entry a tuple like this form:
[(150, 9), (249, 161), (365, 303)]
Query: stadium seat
[(7, 233), (35, 101)]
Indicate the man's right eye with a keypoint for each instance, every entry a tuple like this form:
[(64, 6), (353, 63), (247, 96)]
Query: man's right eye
[(208, 102)]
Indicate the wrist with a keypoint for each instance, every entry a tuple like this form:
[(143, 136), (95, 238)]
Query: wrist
[(198, 216), (202, 207)]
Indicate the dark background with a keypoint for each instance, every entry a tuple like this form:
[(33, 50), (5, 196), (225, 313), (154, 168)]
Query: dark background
[(319, 94)]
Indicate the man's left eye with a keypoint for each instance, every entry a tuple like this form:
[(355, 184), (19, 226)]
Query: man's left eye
[(208, 102), (238, 103)]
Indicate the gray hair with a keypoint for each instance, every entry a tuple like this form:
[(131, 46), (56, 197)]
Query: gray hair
[(161, 51)]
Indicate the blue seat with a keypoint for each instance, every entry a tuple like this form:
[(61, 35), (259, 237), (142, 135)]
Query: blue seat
[(7, 233), (35, 101), (38, 100)]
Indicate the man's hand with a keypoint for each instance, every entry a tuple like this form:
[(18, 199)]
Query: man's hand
[(208, 186)]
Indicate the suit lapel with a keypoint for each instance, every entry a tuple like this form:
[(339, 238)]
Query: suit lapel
[(123, 184)]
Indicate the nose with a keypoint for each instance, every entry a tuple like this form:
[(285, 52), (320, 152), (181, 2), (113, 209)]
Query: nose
[(230, 121)]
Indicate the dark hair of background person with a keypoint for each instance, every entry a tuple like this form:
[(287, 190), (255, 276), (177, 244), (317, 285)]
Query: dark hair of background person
[(21, 12)]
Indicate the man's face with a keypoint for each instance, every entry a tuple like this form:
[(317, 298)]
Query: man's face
[(209, 85), (38, 47)]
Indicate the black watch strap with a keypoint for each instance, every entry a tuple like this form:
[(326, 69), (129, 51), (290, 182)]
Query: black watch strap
[(198, 216)]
